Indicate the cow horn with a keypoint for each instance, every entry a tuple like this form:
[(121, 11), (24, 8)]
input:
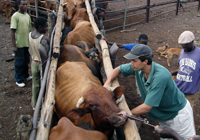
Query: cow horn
[(64, 4), (119, 100), (80, 101)]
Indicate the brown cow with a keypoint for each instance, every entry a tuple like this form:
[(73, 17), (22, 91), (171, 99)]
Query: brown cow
[(80, 96), (6, 7), (71, 6), (74, 53), (49, 5), (80, 15), (83, 31), (66, 130)]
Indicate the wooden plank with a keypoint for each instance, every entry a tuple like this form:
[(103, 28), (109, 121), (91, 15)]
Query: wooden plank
[(130, 128), (47, 109)]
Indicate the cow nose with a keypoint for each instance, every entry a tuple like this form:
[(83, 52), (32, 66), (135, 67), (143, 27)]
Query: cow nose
[(69, 18), (122, 114)]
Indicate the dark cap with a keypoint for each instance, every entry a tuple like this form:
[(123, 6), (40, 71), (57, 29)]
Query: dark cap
[(139, 50)]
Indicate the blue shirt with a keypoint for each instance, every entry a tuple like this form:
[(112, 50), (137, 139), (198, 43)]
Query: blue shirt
[(129, 46), (158, 91), (188, 77)]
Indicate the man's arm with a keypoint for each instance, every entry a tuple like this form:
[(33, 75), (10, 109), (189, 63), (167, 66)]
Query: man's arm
[(47, 39), (141, 109), (167, 132), (13, 40), (174, 72), (118, 44), (112, 77)]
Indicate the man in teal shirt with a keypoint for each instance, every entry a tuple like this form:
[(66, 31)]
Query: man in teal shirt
[(163, 101)]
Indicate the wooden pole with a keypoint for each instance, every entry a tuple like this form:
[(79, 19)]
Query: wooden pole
[(36, 8), (147, 11), (47, 109), (51, 23), (130, 128), (24, 127), (58, 31)]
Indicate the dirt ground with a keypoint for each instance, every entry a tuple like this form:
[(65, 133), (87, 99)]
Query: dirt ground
[(15, 101)]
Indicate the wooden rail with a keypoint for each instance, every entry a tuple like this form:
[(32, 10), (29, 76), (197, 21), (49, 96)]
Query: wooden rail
[(47, 109), (130, 128)]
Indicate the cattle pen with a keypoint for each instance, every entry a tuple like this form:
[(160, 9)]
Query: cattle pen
[(41, 129)]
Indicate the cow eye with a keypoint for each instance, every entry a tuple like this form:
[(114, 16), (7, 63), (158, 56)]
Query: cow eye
[(91, 105)]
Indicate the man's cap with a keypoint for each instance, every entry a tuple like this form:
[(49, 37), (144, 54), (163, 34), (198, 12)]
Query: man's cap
[(186, 37), (139, 50)]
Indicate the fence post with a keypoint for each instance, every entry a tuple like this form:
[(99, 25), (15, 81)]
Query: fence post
[(147, 11), (199, 5), (177, 5), (36, 8), (125, 11)]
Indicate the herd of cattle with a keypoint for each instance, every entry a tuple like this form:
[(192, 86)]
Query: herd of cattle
[(8, 7), (79, 94)]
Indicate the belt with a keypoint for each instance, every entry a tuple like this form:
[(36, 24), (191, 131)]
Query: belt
[(37, 61)]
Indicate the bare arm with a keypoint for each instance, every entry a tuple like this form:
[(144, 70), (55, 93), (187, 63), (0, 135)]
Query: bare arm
[(118, 44), (141, 109), (13, 40), (174, 72), (47, 39), (112, 77)]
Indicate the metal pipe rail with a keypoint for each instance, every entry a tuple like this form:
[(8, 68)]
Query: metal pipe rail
[(117, 14), (42, 89)]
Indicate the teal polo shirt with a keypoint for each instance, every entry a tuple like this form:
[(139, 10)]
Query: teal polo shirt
[(158, 91)]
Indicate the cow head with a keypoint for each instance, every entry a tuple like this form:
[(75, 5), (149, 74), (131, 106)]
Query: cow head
[(100, 103), (71, 6), (94, 55)]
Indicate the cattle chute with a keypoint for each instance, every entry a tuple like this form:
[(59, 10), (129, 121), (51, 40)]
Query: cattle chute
[(44, 124)]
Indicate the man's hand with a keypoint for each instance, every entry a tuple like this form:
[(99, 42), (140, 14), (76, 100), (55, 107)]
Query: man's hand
[(15, 49), (167, 132), (196, 137)]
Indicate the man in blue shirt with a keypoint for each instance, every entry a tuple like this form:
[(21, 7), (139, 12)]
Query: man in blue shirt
[(188, 76), (143, 39), (163, 101)]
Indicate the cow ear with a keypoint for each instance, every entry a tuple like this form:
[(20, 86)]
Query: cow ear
[(76, 113), (118, 91)]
